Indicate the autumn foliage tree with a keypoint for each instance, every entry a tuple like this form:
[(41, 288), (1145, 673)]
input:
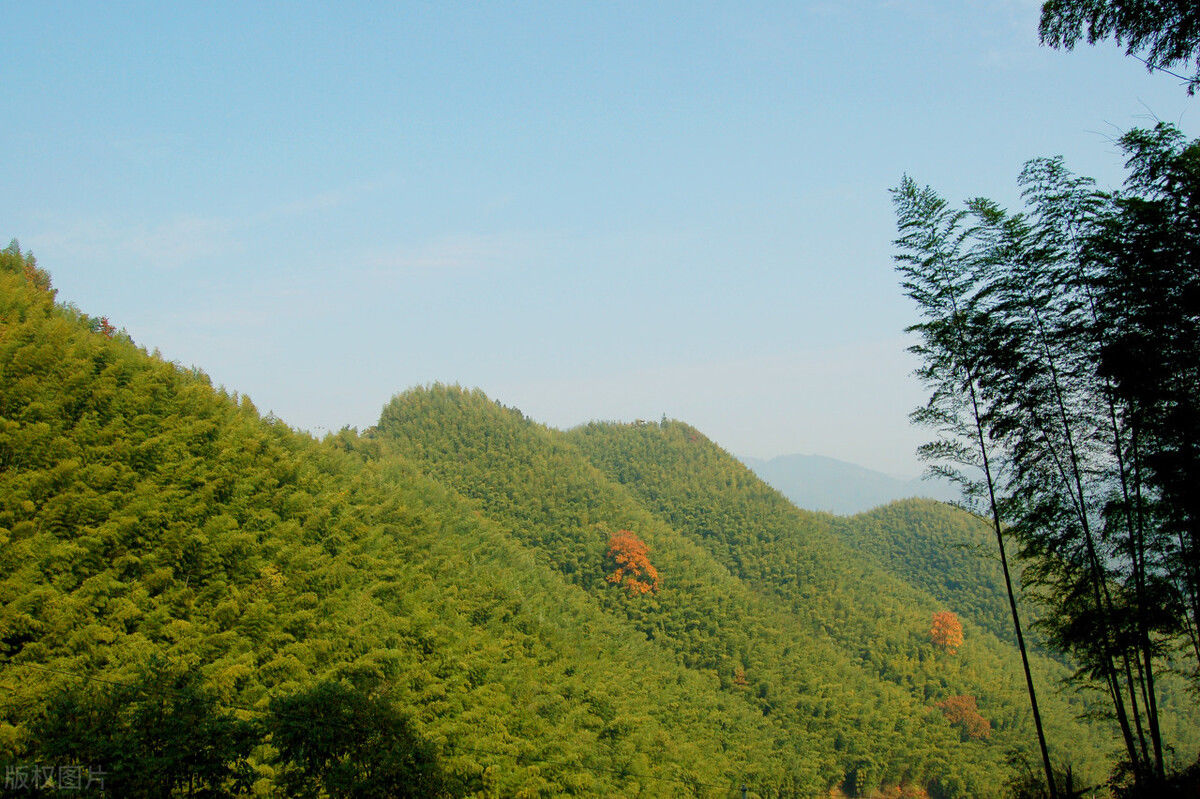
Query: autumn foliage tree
[(962, 712), (947, 631), (632, 559)]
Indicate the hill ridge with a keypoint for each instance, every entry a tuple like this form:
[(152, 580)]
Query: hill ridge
[(451, 563)]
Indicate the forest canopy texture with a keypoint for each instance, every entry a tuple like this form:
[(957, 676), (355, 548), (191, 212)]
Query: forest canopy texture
[(427, 607)]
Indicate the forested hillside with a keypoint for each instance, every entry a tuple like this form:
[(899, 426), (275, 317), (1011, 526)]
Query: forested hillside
[(823, 641), (457, 602), (939, 548)]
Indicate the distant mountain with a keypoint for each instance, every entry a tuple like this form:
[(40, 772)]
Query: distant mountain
[(815, 482)]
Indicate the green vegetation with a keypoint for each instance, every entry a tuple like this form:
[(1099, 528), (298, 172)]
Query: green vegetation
[(1167, 33), (428, 607), (1061, 349), (939, 548)]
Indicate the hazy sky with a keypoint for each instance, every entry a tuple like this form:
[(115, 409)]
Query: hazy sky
[(590, 211)]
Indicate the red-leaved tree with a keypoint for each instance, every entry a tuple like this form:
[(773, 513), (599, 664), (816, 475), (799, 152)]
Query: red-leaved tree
[(947, 631), (962, 712), (632, 559)]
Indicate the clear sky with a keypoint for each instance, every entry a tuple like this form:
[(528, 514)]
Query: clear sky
[(589, 210)]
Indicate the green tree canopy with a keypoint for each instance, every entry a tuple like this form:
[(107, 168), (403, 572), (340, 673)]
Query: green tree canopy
[(1165, 32), (1076, 341), (338, 741), (160, 735)]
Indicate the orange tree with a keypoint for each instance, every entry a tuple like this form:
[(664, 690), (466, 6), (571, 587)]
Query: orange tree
[(947, 631), (632, 559)]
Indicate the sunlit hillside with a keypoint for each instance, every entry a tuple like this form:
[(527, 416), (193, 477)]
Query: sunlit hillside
[(462, 600)]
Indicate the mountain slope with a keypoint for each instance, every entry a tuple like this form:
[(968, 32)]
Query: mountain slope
[(941, 549), (711, 497), (803, 559), (146, 515), (831, 648), (453, 563)]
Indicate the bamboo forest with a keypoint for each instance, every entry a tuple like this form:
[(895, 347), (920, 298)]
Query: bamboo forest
[(199, 598)]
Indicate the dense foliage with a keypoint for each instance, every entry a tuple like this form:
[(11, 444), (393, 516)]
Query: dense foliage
[(1166, 31), (962, 712), (360, 746), (145, 514), (1062, 347), (942, 550), (798, 558), (160, 735), (426, 607)]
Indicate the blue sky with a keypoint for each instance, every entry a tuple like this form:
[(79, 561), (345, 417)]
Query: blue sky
[(590, 211)]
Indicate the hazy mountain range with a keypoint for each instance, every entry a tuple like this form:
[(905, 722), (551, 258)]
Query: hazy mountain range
[(815, 482)]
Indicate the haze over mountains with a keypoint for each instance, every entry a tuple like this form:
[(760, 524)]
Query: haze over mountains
[(815, 482)]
